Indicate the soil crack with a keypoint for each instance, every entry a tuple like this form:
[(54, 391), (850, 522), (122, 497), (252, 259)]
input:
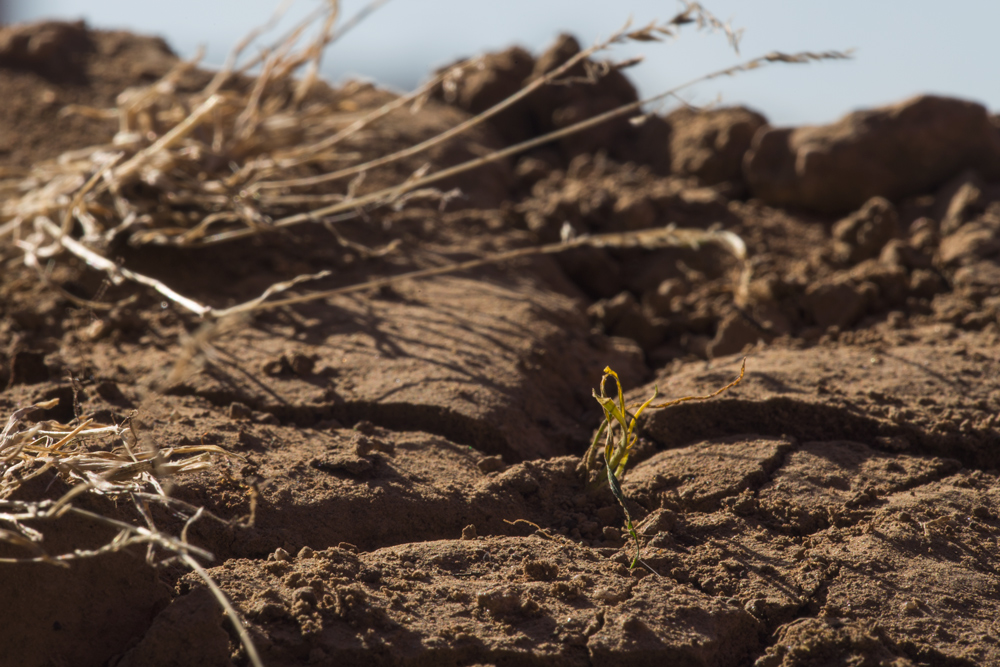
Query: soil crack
[(977, 449), (403, 417)]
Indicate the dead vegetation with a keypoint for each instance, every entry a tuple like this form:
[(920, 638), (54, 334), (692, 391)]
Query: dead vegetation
[(251, 154), (108, 461)]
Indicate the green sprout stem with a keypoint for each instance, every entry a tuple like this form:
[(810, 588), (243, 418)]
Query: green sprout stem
[(616, 451)]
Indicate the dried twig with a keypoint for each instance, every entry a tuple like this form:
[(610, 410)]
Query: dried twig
[(118, 273)]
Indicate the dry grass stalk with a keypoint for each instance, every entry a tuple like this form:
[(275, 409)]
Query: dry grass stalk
[(126, 472)]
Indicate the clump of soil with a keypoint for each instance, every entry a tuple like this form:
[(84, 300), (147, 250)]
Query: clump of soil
[(413, 451)]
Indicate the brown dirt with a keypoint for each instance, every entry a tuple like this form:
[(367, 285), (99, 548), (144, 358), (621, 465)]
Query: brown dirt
[(838, 507)]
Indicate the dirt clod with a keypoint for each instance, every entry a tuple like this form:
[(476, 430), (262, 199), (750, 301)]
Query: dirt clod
[(863, 234), (710, 145), (892, 152)]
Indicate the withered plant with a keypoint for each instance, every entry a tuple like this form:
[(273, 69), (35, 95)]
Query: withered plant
[(618, 431), (112, 462)]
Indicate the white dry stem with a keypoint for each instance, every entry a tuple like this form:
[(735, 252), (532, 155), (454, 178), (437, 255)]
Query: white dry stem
[(177, 133), (31, 260), (118, 273)]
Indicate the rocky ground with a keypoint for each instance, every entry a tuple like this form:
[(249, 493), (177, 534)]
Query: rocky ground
[(840, 506)]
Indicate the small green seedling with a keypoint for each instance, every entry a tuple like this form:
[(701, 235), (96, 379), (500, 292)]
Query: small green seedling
[(616, 450)]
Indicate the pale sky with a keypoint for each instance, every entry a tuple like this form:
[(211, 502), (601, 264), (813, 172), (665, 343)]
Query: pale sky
[(902, 48)]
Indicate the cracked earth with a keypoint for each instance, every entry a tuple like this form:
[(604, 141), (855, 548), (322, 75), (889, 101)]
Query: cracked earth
[(417, 448)]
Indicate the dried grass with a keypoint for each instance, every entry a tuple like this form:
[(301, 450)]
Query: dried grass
[(108, 461), (240, 157)]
